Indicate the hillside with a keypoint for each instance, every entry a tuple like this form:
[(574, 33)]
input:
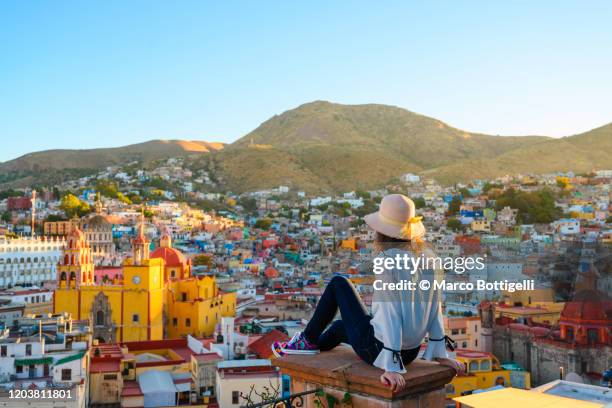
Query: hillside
[(579, 153), (343, 147), (324, 147), (57, 163)]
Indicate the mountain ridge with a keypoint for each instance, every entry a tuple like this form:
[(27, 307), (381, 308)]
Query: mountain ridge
[(324, 146)]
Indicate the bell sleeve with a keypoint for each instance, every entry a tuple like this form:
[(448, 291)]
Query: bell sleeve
[(436, 345)]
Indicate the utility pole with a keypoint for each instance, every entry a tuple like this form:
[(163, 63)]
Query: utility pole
[(33, 200)]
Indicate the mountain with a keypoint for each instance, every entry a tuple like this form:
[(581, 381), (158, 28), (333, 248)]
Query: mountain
[(327, 147), (578, 153), (47, 165), (332, 147)]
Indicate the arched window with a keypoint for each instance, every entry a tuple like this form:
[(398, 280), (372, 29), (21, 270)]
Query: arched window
[(72, 276), (99, 318), (63, 276), (66, 259)]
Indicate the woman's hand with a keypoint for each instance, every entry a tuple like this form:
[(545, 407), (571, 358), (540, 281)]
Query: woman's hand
[(395, 381), (458, 366)]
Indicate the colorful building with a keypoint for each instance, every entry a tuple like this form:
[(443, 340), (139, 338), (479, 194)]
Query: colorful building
[(154, 297)]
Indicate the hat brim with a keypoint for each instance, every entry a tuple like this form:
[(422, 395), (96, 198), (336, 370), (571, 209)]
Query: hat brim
[(374, 221)]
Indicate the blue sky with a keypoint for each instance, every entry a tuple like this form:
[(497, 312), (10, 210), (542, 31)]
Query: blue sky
[(77, 74)]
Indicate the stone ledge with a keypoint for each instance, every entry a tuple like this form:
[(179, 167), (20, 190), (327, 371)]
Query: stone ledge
[(342, 369)]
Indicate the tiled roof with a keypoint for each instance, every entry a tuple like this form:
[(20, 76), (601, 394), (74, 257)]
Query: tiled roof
[(262, 347)]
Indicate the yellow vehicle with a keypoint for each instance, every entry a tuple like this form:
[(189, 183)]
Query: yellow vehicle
[(483, 370)]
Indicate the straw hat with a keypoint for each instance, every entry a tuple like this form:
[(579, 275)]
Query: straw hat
[(396, 218)]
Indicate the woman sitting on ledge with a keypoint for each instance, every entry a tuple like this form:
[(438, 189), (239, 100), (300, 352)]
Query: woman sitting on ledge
[(390, 338)]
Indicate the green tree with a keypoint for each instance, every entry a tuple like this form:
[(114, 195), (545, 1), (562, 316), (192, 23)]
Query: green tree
[(491, 186), (73, 206), (10, 193), (248, 203), (123, 198), (363, 194), (263, 223), (6, 216), (107, 188), (135, 198), (536, 207), (454, 205), (454, 224), (419, 202)]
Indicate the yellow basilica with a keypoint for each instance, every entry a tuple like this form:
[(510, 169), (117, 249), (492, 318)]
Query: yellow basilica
[(155, 298)]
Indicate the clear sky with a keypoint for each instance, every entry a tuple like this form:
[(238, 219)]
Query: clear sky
[(80, 74)]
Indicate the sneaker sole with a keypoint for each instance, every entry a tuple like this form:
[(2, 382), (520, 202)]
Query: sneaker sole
[(306, 352)]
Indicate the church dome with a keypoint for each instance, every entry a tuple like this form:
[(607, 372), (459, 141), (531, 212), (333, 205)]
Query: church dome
[(171, 256), (588, 305), (97, 221)]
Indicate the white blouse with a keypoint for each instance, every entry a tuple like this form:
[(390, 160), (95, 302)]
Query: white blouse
[(402, 318)]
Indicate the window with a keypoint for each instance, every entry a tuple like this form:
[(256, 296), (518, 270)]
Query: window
[(174, 321), (592, 336), (235, 397), (184, 296), (455, 332), (476, 342), (110, 376), (188, 322), (28, 349), (3, 351), (464, 345), (485, 365), (473, 366), (475, 328), (135, 318), (66, 374), (99, 318), (19, 369)]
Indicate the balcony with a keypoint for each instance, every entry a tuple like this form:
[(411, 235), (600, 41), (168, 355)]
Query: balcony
[(341, 375)]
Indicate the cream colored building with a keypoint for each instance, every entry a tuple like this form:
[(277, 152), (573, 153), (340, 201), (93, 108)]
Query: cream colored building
[(28, 261), (237, 379)]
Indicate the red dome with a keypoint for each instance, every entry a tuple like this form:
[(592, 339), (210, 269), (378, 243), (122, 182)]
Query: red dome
[(171, 256), (588, 305)]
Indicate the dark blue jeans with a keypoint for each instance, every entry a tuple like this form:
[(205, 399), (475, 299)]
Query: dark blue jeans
[(354, 326)]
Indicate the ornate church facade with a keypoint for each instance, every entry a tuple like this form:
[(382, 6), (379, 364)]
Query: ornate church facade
[(155, 297)]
